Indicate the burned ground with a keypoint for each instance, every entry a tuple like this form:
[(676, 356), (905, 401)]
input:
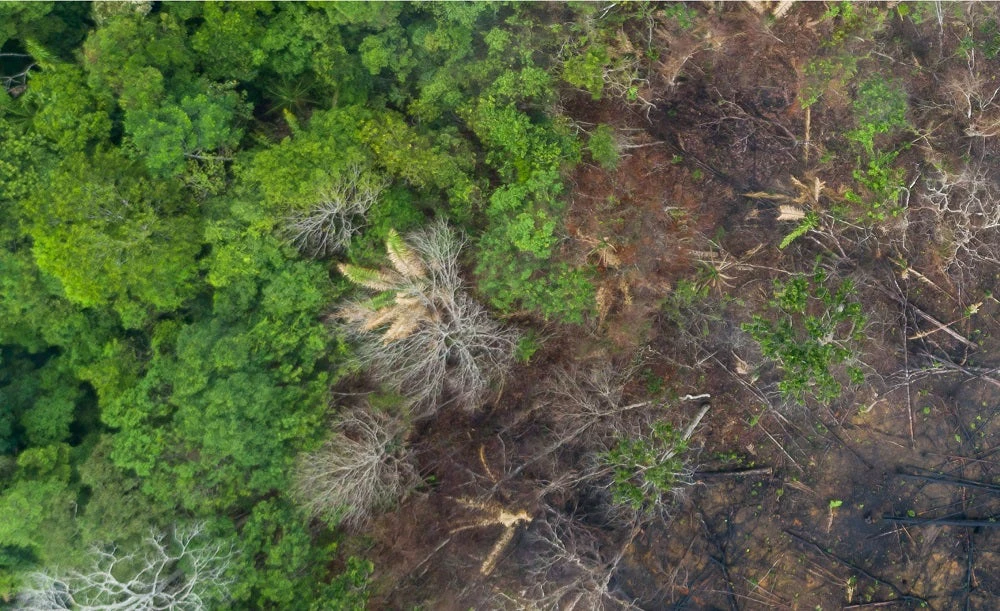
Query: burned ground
[(791, 506)]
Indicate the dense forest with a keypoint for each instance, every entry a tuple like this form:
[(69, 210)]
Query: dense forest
[(349, 305)]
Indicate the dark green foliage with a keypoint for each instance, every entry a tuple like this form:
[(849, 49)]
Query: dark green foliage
[(646, 470), (212, 389), (282, 568), (811, 329)]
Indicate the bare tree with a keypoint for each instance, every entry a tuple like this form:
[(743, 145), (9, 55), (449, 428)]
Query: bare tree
[(965, 209), (363, 468), (590, 401), (423, 335), (572, 568), (176, 572), (976, 96), (339, 212)]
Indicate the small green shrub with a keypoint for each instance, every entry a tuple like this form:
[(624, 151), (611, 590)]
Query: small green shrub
[(681, 14), (527, 346), (879, 108), (880, 187), (586, 70), (822, 72), (646, 469), (811, 330), (810, 222), (603, 147)]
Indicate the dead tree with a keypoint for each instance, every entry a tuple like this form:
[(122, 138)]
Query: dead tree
[(965, 217), (339, 212), (179, 571), (422, 335), (363, 468), (572, 568)]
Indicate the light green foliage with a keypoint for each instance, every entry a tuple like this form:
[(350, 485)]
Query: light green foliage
[(603, 147), (683, 15), (527, 346), (810, 330), (513, 264), (441, 162), (586, 70), (879, 108), (293, 173), (69, 113), (514, 251), (646, 470), (111, 235), (822, 73), (852, 21), (810, 222), (851, 26), (881, 185)]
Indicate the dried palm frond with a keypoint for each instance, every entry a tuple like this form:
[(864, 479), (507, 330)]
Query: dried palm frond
[(777, 9), (403, 258), (422, 335), (378, 318), (790, 210), (790, 213), (406, 322), (607, 253), (719, 263), (605, 299), (782, 8)]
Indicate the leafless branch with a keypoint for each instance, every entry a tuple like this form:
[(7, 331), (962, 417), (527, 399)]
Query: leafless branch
[(339, 212), (174, 572), (364, 467), (441, 346)]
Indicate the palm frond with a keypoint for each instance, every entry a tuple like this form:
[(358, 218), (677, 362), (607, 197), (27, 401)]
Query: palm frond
[(374, 279), (403, 258)]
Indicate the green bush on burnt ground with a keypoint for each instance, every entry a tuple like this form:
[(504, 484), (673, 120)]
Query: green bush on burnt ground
[(809, 331), (879, 109), (647, 470)]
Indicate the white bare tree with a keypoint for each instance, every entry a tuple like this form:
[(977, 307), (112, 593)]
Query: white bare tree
[(965, 217), (176, 572), (423, 335), (591, 401), (573, 569), (364, 467), (339, 212)]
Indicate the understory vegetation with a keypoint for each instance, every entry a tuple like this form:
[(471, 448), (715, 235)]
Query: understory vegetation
[(496, 305)]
